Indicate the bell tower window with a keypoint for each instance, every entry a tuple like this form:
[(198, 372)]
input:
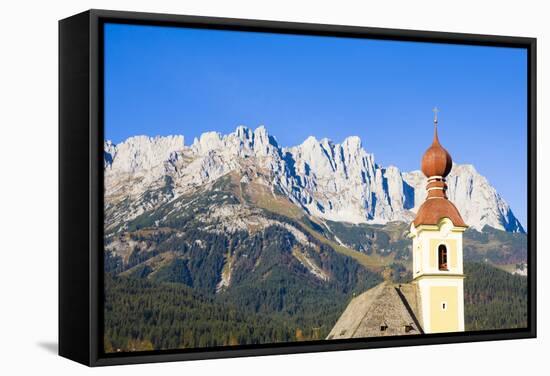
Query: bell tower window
[(442, 257)]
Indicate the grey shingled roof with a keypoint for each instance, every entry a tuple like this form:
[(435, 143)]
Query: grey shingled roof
[(394, 306)]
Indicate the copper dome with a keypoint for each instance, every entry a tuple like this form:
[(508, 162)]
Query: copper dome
[(433, 210), (436, 161)]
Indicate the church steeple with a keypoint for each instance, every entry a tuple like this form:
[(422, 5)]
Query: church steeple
[(437, 245)]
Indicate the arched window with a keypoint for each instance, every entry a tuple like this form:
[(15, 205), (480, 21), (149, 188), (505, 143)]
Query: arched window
[(442, 257)]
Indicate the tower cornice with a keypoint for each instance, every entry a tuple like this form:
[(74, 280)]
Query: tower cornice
[(439, 275)]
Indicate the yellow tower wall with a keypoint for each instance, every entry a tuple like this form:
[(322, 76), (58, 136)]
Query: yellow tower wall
[(434, 291), (438, 287), (444, 320)]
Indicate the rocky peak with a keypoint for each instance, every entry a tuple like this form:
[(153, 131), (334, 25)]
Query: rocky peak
[(206, 142), (264, 144), (140, 153), (352, 144)]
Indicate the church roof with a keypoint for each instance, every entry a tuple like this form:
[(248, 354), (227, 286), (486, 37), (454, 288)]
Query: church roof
[(433, 210), (385, 310)]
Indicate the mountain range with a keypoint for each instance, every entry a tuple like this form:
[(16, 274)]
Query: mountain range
[(329, 181)]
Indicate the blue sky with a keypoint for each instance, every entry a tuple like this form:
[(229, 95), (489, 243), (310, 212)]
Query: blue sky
[(164, 80)]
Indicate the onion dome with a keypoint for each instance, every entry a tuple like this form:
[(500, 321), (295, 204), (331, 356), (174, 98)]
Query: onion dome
[(436, 165), (436, 160)]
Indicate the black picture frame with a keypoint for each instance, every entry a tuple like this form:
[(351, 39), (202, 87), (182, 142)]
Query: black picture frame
[(81, 185)]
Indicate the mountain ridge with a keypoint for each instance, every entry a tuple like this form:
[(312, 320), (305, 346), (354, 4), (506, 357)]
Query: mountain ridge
[(330, 181)]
